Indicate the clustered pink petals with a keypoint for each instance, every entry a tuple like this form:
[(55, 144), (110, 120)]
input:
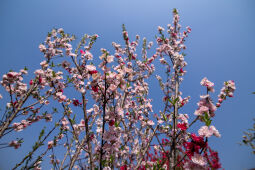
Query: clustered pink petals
[(205, 105), (226, 91), (184, 118), (50, 144), (183, 101), (206, 131), (13, 83), (205, 82), (15, 144), (22, 125), (64, 124), (199, 159)]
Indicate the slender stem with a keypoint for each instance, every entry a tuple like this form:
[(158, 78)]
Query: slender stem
[(77, 152), (188, 127), (86, 119), (180, 160), (146, 148), (104, 108), (87, 130), (175, 117), (175, 106), (63, 161), (20, 104), (40, 143)]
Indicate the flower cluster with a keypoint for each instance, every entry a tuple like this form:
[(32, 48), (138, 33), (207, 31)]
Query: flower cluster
[(205, 82), (102, 112), (205, 105), (226, 91), (13, 83), (197, 143), (20, 126), (15, 144), (206, 131)]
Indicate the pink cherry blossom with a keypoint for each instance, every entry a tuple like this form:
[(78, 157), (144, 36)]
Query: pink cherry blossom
[(206, 131), (199, 159), (205, 82)]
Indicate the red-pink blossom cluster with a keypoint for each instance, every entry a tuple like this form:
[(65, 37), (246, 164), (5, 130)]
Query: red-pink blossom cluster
[(15, 144)]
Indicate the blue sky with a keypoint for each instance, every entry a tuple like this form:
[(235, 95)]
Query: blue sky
[(220, 47)]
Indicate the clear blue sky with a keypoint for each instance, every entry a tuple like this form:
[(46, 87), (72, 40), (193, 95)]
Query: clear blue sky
[(220, 47)]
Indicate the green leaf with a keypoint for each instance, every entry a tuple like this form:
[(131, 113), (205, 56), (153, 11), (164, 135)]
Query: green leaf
[(53, 74), (123, 27), (103, 162), (173, 102), (111, 159), (206, 116), (203, 118), (164, 116), (175, 11), (52, 64), (208, 123), (116, 124), (68, 79), (74, 117), (184, 54), (20, 140), (41, 134), (72, 121), (55, 110), (207, 119), (170, 101)]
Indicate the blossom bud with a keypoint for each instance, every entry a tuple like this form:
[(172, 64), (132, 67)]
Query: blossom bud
[(111, 122), (220, 100)]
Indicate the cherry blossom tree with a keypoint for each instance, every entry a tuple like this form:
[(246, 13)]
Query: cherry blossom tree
[(101, 115)]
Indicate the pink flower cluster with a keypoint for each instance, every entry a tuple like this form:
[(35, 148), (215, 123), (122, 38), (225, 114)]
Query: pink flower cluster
[(15, 144), (22, 125), (205, 82), (206, 131), (12, 82), (205, 105), (226, 91)]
